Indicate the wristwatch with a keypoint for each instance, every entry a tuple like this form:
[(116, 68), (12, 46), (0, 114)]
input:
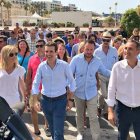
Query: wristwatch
[(72, 100)]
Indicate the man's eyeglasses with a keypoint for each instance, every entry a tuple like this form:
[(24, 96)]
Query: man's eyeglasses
[(69, 39), (13, 54), (39, 46), (106, 40)]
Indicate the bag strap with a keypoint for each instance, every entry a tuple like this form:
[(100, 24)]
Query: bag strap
[(23, 58)]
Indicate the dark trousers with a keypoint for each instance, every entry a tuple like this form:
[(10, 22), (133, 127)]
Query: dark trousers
[(126, 117), (55, 111)]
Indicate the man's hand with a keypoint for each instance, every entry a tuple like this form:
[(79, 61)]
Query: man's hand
[(111, 116), (69, 105)]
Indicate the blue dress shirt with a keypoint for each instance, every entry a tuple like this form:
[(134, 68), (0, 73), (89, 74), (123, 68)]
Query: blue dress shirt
[(108, 59), (85, 76), (54, 81)]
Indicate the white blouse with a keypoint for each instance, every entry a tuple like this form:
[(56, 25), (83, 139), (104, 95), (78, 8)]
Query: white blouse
[(9, 85)]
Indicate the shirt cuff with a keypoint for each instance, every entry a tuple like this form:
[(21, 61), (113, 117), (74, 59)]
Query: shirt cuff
[(110, 102)]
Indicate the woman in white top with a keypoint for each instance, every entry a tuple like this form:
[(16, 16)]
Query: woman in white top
[(11, 77)]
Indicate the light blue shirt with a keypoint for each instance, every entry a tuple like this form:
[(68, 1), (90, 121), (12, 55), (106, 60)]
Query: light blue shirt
[(108, 59), (54, 81), (85, 76)]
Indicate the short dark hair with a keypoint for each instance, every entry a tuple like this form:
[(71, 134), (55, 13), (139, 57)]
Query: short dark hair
[(92, 35), (70, 35), (41, 40), (136, 42), (52, 44), (3, 37), (49, 35), (89, 41)]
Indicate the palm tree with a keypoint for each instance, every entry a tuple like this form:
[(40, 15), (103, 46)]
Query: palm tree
[(26, 7), (116, 13), (2, 2), (33, 8), (8, 6)]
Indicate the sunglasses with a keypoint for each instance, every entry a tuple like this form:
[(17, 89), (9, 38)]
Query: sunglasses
[(13, 54), (39, 46), (106, 40), (69, 39)]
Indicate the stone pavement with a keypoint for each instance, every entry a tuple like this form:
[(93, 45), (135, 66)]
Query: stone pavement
[(107, 131)]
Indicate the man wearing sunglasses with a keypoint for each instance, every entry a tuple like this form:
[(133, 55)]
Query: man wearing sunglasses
[(33, 64), (109, 57)]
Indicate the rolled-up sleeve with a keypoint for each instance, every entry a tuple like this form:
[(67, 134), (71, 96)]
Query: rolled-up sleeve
[(71, 81), (111, 99), (103, 70), (36, 82)]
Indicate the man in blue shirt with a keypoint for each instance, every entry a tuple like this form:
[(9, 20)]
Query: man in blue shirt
[(109, 57), (85, 66), (65, 37), (55, 75), (70, 44)]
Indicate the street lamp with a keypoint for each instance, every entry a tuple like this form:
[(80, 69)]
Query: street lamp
[(110, 10), (2, 4), (116, 14)]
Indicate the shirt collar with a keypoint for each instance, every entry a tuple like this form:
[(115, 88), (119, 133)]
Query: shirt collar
[(57, 61), (85, 59), (125, 63)]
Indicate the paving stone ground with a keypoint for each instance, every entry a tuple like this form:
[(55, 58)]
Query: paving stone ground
[(107, 131)]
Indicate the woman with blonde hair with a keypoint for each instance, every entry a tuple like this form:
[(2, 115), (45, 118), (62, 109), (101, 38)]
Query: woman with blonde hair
[(121, 52), (81, 47), (11, 78)]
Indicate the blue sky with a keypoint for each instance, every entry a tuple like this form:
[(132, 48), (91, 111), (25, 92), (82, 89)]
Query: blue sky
[(100, 6)]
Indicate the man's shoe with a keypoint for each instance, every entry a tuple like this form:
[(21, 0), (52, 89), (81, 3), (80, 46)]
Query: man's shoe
[(99, 112), (47, 132), (37, 133), (79, 137)]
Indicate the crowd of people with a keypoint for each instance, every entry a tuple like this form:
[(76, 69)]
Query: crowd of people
[(48, 73)]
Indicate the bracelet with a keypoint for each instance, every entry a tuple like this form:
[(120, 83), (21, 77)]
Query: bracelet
[(72, 100)]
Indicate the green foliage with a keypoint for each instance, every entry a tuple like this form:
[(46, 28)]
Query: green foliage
[(86, 25), (130, 20), (55, 25), (61, 24), (70, 24), (26, 23), (110, 21)]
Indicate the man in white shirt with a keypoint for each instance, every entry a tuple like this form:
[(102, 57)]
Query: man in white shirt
[(124, 91)]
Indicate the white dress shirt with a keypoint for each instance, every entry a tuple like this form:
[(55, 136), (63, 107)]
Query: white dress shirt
[(124, 84)]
